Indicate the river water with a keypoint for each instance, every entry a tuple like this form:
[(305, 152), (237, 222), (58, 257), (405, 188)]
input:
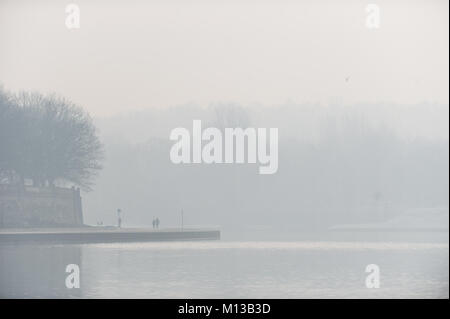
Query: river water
[(228, 269)]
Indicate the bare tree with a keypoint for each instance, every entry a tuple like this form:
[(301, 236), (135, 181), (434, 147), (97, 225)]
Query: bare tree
[(231, 115), (10, 138), (48, 138)]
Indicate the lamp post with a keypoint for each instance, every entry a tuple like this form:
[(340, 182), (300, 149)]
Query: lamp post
[(182, 219)]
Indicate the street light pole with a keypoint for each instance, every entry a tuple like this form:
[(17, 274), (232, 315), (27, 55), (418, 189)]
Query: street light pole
[(182, 219)]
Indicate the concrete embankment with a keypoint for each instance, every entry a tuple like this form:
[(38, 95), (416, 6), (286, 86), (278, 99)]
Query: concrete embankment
[(104, 235)]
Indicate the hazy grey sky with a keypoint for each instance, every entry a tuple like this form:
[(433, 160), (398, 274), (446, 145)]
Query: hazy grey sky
[(131, 55)]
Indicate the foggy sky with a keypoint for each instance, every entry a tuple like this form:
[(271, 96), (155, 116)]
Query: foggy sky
[(138, 55)]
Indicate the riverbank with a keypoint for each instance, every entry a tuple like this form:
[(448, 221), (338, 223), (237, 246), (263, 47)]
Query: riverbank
[(87, 235)]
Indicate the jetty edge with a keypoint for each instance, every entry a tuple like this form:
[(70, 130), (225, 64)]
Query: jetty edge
[(87, 235)]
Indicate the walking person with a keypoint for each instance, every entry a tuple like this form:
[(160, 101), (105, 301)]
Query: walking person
[(153, 223), (157, 222)]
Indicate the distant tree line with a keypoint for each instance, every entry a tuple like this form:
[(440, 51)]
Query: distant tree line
[(46, 138)]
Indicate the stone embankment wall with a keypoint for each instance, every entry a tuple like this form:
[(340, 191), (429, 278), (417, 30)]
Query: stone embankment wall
[(39, 207)]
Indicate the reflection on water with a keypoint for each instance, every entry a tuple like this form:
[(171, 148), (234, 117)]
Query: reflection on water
[(37, 271), (226, 269)]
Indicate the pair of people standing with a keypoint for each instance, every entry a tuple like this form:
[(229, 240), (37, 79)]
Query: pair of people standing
[(155, 222)]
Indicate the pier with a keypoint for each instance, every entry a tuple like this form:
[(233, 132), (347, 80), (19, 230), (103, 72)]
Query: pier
[(88, 235)]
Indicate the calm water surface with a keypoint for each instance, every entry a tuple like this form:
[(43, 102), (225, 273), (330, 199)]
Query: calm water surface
[(227, 269)]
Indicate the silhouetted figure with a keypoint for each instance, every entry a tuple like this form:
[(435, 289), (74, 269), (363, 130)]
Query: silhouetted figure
[(157, 222), (154, 223), (119, 219)]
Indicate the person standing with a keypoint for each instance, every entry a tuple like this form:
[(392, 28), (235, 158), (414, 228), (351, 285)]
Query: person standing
[(157, 222), (119, 218)]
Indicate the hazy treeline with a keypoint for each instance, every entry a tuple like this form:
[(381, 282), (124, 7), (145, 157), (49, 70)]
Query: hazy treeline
[(337, 165), (46, 139)]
